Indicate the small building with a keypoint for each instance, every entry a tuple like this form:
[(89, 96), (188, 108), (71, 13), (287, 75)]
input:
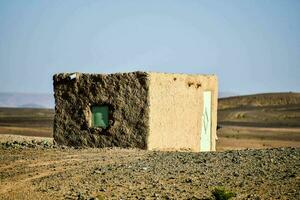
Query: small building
[(154, 111)]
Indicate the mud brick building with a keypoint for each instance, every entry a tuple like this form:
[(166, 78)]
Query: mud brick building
[(136, 110)]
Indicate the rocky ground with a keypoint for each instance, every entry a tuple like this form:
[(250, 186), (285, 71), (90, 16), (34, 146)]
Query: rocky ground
[(31, 170)]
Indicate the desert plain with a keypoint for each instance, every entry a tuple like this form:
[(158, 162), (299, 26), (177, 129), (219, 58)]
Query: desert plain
[(258, 157)]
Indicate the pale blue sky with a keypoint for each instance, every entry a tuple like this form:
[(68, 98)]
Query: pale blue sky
[(252, 45)]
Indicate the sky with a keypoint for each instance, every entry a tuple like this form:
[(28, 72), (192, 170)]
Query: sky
[(253, 46)]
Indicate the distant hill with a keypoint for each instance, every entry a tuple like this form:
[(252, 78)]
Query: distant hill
[(260, 110), (260, 100), (26, 100), (227, 94)]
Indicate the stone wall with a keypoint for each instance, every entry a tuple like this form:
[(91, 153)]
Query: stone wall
[(126, 94)]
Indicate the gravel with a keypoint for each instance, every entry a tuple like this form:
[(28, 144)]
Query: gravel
[(136, 174)]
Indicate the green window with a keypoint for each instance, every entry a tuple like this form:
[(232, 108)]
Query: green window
[(100, 116)]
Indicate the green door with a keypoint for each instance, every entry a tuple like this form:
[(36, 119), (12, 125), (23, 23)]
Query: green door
[(100, 116), (205, 139)]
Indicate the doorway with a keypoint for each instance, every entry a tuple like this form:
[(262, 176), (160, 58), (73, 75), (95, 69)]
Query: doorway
[(205, 137)]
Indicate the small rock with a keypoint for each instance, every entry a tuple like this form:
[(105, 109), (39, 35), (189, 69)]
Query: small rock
[(96, 171), (80, 196), (235, 174), (188, 180)]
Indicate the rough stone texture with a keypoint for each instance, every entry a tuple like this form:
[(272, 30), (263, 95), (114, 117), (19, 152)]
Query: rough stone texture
[(124, 93), (176, 109)]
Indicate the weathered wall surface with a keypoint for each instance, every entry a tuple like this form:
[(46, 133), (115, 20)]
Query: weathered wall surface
[(127, 97), (176, 106)]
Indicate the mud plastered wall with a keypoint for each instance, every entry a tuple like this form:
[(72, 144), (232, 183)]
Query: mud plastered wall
[(126, 95), (176, 107)]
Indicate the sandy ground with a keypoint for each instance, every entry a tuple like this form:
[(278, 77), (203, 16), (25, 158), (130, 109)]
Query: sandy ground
[(55, 173), (19, 138), (241, 137), (26, 131)]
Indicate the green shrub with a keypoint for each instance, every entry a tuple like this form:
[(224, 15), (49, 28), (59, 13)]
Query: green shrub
[(220, 193)]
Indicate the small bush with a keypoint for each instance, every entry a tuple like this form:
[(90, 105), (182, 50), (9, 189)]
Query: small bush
[(220, 193)]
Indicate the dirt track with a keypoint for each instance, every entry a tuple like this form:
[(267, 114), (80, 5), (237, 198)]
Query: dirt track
[(51, 173)]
